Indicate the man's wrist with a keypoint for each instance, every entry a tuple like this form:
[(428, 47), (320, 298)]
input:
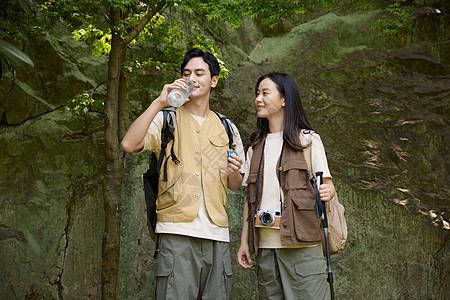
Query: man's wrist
[(158, 104)]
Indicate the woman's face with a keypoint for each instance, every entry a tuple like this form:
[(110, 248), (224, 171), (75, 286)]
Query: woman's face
[(269, 102)]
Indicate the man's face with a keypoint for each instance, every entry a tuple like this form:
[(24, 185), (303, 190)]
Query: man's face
[(198, 71)]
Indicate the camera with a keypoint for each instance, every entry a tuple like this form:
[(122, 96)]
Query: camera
[(268, 219)]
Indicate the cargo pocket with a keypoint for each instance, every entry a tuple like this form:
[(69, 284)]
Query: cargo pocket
[(306, 224), (311, 280), (311, 268), (164, 263), (227, 272)]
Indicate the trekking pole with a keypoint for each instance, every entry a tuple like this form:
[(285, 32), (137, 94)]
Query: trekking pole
[(321, 213)]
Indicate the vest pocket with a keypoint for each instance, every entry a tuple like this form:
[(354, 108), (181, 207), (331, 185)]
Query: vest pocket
[(306, 224), (217, 150), (224, 181), (251, 187), (169, 191), (294, 175), (220, 140)]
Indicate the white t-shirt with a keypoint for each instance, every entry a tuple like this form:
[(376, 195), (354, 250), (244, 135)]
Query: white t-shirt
[(270, 238), (201, 226)]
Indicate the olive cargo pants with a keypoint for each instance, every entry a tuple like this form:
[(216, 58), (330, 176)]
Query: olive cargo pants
[(292, 274), (192, 268)]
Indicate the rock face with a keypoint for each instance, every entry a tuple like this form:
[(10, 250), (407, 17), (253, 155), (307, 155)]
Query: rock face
[(51, 208), (380, 104)]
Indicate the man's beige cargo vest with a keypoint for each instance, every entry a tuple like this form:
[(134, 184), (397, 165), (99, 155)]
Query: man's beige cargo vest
[(202, 152)]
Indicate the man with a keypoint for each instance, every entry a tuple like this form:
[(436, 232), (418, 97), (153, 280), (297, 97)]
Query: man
[(193, 259)]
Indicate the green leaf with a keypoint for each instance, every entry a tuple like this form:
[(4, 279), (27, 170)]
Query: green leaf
[(14, 54), (26, 5)]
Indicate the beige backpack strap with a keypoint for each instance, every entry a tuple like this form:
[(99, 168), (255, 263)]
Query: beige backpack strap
[(307, 154)]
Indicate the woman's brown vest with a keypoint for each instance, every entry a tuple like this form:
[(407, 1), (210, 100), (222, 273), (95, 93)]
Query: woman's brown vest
[(299, 225)]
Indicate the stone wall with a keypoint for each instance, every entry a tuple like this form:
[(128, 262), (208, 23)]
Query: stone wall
[(380, 104), (51, 207)]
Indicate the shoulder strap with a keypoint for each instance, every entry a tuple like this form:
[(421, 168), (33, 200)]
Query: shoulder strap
[(307, 154), (229, 130), (169, 122)]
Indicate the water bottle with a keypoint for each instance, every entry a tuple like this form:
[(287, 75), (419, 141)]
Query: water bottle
[(177, 97)]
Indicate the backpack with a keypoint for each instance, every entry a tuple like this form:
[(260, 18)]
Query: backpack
[(337, 226), (151, 177)]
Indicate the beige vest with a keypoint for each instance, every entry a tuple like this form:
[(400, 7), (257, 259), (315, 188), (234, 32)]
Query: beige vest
[(202, 151)]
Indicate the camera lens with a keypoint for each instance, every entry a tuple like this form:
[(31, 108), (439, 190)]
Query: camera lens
[(266, 219)]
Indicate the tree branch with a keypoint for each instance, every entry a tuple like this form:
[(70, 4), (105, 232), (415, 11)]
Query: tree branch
[(148, 16), (108, 19)]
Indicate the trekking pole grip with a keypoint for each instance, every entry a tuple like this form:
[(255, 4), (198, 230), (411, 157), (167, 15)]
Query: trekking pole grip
[(319, 178)]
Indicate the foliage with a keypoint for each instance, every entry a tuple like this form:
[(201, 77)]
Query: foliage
[(99, 39), (396, 19), (14, 54), (11, 25), (17, 19), (72, 13), (168, 39), (83, 103), (26, 5), (362, 4), (398, 16), (269, 13)]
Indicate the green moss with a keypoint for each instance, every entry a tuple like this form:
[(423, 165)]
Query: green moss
[(375, 118)]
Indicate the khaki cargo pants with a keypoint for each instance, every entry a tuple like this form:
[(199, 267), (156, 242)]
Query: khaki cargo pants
[(292, 274), (192, 268)]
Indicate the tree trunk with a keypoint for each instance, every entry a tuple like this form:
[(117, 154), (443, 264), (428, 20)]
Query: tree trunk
[(113, 171), (124, 103), (116, 123)]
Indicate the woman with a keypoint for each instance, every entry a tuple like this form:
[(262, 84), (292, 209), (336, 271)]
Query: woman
[(290, 262)]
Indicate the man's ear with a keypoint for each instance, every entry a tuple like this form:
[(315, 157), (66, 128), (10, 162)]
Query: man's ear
[(214, 81)]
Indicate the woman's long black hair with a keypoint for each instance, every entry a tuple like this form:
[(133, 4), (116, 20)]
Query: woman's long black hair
[(294, 116)]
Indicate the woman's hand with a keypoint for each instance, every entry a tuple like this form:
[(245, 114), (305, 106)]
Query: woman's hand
[(243, 256), (326, 189)]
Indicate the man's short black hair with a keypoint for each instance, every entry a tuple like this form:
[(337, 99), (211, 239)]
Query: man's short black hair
[(208, 58)]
